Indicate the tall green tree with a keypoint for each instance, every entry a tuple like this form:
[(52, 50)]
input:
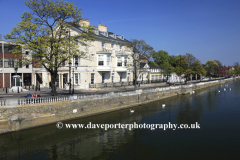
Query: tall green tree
[(211, 67), (190, 58), (46, 33), (162, 59), (181, 65), (141, 50), (198, 68)]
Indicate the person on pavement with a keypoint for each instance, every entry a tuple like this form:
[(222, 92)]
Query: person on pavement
[(29, 95), (35, 95)]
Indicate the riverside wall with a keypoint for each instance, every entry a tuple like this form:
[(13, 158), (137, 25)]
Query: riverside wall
[(33, 115)]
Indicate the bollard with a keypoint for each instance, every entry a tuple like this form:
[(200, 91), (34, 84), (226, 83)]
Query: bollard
[(33, 87), (39, 87), (36, 88), (18, 89), (25, 87), (21, 90), (29, 87), (6, 89)]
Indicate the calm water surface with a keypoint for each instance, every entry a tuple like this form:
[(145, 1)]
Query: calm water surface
[(218, 138)]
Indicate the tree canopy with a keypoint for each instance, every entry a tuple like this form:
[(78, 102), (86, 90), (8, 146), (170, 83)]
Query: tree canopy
[(211, 67), (46, 33), (181, 65), (152, 63), (190, 58), (161, 58)]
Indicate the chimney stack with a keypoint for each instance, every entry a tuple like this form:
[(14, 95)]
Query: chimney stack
[(102, 27), (83, 22)]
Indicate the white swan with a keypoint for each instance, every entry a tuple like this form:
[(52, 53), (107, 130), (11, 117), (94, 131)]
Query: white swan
[(163, 105), (224, 89), (132, 111), (218, 91)]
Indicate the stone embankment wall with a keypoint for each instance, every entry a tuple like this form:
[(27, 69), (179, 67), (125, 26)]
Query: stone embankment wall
[(33, 115)]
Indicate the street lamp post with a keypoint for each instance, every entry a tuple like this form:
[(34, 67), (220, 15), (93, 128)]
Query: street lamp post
[(69, 63), (169, 71), (70, 77), (76, 64), (180, 70), (73, 81), (149, 75)]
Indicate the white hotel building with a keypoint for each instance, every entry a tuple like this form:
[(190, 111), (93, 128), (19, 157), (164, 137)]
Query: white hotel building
[(108, 59)]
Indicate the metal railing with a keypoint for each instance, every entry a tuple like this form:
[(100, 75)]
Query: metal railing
[(119, 84), (40, 100), (124, 93), (3, 102), (43, 100)]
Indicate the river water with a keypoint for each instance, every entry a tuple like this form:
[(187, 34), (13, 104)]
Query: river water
[(218, 137)]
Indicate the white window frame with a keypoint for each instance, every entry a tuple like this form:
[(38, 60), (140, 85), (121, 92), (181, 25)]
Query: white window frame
[(108, 60), (76, 78), (119, 59), (103, 44), (100, 58)]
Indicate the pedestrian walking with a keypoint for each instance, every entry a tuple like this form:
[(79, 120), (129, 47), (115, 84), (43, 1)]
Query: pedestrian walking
[(65, 85)]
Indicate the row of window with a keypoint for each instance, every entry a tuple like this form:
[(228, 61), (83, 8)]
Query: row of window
[(156, 77), (121, 60), (101, 59), (107, 58), (10, 63), (76, 62), (112, 45), (112, 77), (8, 48), (155, 70)]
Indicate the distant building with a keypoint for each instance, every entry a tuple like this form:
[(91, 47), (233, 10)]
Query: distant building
[(156, 73), (8, 61), (144, 72)]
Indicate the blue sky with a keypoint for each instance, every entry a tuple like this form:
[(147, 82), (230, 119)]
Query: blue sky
[(208, 29)]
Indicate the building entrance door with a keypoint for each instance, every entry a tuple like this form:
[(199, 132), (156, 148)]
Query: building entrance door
[(64, 79)]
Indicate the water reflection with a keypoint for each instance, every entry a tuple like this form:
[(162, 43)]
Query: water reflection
[(207, 107)]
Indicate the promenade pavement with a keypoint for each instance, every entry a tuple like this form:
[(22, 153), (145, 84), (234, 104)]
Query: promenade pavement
[(44, 92)]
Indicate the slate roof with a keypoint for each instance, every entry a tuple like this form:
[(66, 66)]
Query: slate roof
[(142, 64), (78, 27), (154, 67)]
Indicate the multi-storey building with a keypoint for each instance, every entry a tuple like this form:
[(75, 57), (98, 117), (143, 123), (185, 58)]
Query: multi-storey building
[(8, 62), (107, 61)]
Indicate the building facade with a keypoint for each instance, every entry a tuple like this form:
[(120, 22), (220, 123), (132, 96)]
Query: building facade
[(156, 73), (107, 61), (8, 62)]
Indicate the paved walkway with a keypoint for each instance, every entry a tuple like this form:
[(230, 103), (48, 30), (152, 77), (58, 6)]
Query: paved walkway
[(44, 92)]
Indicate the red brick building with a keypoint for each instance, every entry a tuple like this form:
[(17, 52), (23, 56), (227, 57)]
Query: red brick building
[(8, 61)]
